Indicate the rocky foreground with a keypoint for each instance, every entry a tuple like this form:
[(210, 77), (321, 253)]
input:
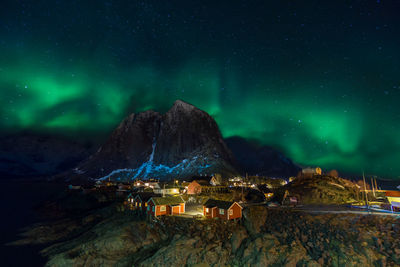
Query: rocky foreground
[(111, 236)]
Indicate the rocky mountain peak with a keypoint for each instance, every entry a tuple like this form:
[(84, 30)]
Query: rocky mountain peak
[(183, 142)]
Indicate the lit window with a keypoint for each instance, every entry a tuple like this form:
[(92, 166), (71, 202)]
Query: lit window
[(230, 212), (163, 208), (221, 211), (207, 210), (145, 204), (140, 204)]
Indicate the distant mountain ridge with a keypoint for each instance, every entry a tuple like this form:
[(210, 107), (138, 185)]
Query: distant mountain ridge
[(260, 160), (33, 155), (183, 142)]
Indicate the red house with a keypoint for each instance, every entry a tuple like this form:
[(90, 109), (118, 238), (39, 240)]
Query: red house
[(140, 200), (169, 205), (222, 209), (195, 186)]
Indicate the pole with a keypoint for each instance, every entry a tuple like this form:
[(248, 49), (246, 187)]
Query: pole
[(376, 185), (373, 188), (365, 190)]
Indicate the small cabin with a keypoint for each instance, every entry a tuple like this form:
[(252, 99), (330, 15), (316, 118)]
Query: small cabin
[(309, 172), (195, 186), (225, 210), (170, 205), (138, 183), (154, 185), (167, 190), (130, 198), (214, 181), (394, 199), (141, 199)]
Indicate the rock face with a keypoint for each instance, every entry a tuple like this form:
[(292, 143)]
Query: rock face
[(281, 238), (181, 143), (261, 160)]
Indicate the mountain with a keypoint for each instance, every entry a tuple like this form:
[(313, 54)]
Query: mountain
[(183, 142), (29, 155), (260, 160)]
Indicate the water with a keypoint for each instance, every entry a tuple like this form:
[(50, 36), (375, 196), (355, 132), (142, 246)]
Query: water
[(17, 200)]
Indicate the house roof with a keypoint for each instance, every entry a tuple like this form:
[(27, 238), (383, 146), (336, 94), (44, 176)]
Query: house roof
[(392, 193), (210, 203), (169, 200), (145, 196), (200, 178), (202, 182)]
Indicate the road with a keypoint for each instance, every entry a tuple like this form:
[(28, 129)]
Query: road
[(351, 212)]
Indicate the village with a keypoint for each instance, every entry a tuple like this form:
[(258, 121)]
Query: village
[(211, 197)]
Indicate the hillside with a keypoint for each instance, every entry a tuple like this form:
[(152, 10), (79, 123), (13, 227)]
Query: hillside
[(320, 190), (265, 237)]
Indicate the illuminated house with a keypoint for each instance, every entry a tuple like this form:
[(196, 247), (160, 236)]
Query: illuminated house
[(394, 199), (140, 200), (138, 183), (222, 209), (309, 172), (167, 190), (130, 198), (170, 205), (214, 181), (154, 185), (195, 186)]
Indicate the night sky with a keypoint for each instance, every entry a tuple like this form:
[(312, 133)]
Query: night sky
[(319, 80)]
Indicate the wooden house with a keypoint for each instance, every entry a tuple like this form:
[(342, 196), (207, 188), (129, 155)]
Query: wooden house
[(195, 186), (170, 205), (215, 181), (225, 210), (138, 183), (130, 198), (166, 190), (141, 199), (394, 199), (310, 172)]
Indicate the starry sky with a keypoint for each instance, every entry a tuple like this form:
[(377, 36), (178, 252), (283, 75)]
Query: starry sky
[(318, 80)]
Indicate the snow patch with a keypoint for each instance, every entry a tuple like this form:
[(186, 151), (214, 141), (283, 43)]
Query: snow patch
[(78, 171), (149, 169)]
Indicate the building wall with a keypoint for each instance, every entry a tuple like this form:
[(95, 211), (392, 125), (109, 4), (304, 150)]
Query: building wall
[(137, 201), (144, 206), (182, 207), (159, 212), (168, 209), (176, 209), (222, 216), (150, 205), (194, 188), (212, 212), (237, 212), (395, 201)]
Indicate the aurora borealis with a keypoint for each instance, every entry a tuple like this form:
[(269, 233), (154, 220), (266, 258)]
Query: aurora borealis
[(319, 82)]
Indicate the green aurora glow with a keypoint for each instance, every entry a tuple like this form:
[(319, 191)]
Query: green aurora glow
[(337, 108)]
